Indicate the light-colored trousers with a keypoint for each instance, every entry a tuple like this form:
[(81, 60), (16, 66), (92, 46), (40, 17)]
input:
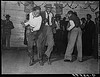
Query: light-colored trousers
[(74, 36)]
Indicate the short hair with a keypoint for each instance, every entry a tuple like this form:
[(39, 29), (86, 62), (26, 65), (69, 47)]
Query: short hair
[(70, 12), (83, 18), (89, 15), (36, 8), (7, 16), (75, 13), (64, 18)]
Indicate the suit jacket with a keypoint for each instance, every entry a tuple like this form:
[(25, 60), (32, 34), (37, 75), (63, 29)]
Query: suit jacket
[(89, 29), (42, 28), (41, 34), (43, 14), (7, 26)]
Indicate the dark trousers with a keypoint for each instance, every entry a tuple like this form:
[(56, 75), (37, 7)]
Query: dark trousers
[(95, 46), (25, 40), (45, 38), (6, 40), (58, 41), (88, 48), (41, 41), (31, 42), (49, 41)]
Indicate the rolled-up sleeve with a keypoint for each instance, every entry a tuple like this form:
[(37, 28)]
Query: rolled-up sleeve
[(72, 24)]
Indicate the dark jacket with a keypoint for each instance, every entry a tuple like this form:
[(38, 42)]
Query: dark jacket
[(42, 28), (97, 22), (7, 26), (89, 29)]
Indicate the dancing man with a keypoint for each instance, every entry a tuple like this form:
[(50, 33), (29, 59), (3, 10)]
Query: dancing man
[(34, 23), (74, 36), (48, 22)]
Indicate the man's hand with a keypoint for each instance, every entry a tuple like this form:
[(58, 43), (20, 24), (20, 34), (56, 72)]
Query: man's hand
[(23, 24), (46, 20), (30, 27)]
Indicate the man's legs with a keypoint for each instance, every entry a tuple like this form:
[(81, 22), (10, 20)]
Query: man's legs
[(71, 43), (40, 47), (79, 45), (50, 42), (50, 45), (4, 40), (8, 40), (30, 48)]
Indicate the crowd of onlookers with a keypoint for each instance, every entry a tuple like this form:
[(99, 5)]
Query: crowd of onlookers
[(90, 31)]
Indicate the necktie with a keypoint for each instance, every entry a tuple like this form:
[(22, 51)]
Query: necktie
[(48, 19)]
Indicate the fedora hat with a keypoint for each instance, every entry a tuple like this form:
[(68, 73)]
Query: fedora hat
[(48, 6), (7, 15)]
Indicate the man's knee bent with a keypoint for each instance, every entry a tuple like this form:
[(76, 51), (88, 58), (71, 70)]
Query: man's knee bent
[(51, 45)]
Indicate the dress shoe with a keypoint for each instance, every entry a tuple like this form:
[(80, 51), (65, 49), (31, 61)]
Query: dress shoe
[(41, 63), (49, 62), (80, 60), (67, 60), (31, 62)]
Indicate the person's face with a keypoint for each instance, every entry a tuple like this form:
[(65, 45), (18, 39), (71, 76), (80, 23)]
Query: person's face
[(48, 9), (36, 13), (68, 15), (97, 15), (88, 17), (83, 20), (57, 19)]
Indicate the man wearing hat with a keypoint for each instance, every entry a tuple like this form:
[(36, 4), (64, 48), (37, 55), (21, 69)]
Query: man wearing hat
[(7, 26), (48, 26)]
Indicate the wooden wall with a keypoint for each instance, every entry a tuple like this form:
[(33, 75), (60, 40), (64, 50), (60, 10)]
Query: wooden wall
[(17, 15)]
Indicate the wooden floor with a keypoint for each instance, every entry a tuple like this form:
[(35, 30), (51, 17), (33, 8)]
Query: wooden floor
[(16, 61)]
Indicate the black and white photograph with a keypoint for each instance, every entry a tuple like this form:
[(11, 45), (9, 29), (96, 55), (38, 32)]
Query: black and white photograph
[(50, 37)]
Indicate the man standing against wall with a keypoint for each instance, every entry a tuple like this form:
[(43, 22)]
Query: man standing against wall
[(7, 26), (74, 36)]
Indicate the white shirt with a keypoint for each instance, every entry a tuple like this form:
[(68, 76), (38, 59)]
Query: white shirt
[(34, 22), (50, 17), (72, 24)]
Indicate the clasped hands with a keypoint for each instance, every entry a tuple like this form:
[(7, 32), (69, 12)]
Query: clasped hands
[(29, 27)]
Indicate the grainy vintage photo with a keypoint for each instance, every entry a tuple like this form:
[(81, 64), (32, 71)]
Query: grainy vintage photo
[(50, 37)]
